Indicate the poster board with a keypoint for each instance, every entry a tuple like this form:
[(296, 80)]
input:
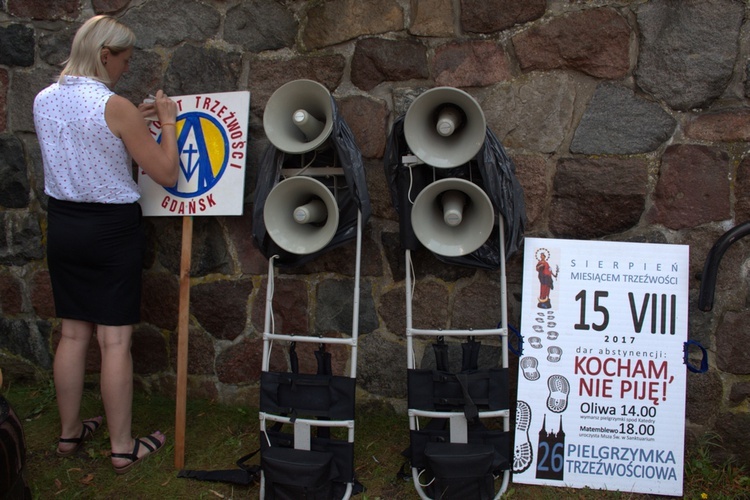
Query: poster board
[(212, 137), (601, 380)]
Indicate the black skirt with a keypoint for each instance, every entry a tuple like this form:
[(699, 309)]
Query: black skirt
[(95, 260)]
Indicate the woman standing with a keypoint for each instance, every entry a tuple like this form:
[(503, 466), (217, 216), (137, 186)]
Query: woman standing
[(89, 137)]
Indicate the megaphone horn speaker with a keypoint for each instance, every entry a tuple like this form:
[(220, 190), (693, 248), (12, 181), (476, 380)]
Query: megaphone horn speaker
[(452, 217), (445, 127), (301, 215), (298, 116)]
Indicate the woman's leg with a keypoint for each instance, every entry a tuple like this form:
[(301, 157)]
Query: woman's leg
[(69, 370), (117, 383), (117, 389)]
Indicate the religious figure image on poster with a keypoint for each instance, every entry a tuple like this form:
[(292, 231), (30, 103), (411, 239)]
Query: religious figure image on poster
[(546, 277)]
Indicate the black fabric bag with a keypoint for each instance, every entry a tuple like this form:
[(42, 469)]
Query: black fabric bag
[(437, 433), (340, 451), (460, 471), (297, 474), (323, 396), (325, 470), (472, 390), (12, 455)]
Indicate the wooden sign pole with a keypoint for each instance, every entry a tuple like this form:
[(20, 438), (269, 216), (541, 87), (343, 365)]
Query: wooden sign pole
[(183, 324)]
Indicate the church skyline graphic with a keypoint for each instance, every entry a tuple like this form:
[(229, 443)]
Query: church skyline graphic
[(551, 452)]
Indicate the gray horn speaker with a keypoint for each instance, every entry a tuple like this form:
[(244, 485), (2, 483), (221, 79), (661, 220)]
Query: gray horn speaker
[(452, 217), (301, 215), (298, 116), (444, 127)]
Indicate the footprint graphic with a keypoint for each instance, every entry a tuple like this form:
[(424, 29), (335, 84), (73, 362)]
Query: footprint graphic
[(523, 454), (554, 354), (529, 368), (559, 388)]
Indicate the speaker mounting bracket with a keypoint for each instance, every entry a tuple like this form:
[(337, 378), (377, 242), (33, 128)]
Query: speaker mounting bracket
[(312, 172), (411, 161)]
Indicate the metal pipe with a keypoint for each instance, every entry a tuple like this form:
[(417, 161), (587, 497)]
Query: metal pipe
[(711, 266)]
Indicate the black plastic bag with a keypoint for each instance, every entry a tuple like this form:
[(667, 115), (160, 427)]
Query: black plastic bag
[(352, 198), (491, 169)]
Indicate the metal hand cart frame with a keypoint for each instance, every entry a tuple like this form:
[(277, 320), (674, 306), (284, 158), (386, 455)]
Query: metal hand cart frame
[(458, 425), (303, 426)]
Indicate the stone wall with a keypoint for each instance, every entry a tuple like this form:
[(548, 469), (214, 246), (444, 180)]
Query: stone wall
[(627, 120)]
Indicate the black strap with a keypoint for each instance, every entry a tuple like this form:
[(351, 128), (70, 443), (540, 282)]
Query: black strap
[(293, 358), (470, 358), (234, 476), (324, 368), (441, 354), (324, 361), (250, 468), (470, 408), (245, 475), (405, 472), (296, 382)]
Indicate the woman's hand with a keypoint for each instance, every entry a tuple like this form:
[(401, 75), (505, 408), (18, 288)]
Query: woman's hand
[(160, 161), (166, 108), (148, 108), (158, 108)]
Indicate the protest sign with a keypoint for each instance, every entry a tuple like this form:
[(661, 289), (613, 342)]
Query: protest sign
[(212, 136), (601, 384)]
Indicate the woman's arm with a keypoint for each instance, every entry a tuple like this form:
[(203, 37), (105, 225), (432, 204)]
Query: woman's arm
[(160, 160)]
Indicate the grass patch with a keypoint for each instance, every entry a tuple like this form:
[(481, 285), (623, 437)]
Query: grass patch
[(217, 435), (719, 481)]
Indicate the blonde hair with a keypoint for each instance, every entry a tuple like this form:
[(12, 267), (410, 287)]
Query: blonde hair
[(97, 33)]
